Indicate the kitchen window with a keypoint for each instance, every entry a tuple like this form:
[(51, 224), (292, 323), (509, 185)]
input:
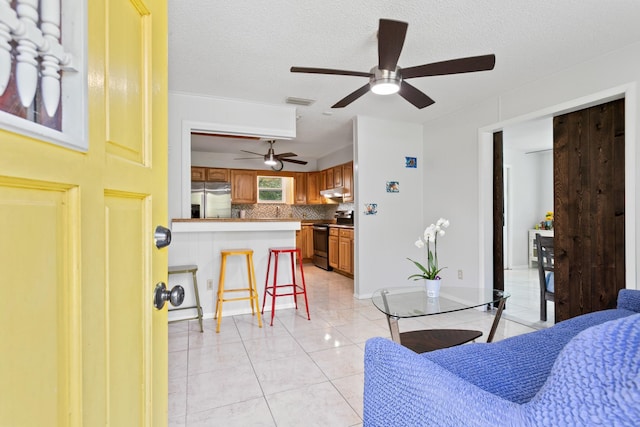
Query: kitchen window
[(275, 189)]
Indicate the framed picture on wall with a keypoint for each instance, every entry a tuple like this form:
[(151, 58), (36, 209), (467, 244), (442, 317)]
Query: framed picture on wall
[(410, 162), (393, 187)]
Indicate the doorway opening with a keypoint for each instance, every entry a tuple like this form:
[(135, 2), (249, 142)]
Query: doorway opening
[(486, 138), (528, 197)]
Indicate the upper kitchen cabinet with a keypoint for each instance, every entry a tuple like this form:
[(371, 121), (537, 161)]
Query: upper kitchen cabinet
[(328, 180), (313, 188), (217, 175), (244, 186), (300, 186), (337, 177), (347, 182), (198, 174)]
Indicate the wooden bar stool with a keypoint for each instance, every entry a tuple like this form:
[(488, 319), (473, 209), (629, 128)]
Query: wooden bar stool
[(183, 269), (294, 288), (252, 289)]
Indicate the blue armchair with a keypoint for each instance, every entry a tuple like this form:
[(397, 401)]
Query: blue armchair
[(581, 372)]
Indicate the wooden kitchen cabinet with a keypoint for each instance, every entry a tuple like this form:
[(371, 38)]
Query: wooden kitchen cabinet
[(334, 247), (313, 189), (218, 174), (347, 182), (304, 241), (337, 176), (328, 179), (244, 186), (345, 250), (198, 174), (300, 188)]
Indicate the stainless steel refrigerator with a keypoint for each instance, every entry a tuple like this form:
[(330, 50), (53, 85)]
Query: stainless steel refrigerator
[(210, 200)]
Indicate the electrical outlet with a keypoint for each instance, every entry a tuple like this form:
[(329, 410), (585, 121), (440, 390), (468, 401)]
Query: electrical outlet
[(460, 274), (210, 284)]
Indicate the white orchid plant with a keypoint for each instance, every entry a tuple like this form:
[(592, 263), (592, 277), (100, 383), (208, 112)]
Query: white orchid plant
[(431, 234)]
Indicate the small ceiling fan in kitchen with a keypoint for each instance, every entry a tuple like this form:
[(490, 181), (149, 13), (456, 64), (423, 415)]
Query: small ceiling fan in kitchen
[(387, 77), (272, 159)]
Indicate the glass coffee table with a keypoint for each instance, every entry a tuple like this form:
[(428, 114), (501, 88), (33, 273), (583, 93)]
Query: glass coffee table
[(408, 302)]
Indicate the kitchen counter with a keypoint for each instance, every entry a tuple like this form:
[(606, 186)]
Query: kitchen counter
[(237, 220), (199, 242), (341, 226), (189, 225)]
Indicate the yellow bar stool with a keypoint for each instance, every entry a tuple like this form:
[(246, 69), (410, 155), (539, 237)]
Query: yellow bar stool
[(183, 269), (252, 289)]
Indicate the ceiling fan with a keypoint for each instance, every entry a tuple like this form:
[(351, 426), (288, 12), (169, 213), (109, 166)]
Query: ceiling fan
[(272, 159), (387, 78)]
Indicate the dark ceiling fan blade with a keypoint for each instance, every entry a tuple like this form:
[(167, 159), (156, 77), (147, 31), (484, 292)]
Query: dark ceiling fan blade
[(251, 152), (453, 66), (414, 95), (391, 36), (351, 97), (288, 154), (300, 162), (310, 70)]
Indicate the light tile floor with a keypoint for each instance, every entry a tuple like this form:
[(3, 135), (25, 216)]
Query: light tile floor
[(298, 372), (524, 304)]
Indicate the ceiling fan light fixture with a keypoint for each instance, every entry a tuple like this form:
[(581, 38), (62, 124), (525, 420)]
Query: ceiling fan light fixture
[(385, 82), (269, 160)]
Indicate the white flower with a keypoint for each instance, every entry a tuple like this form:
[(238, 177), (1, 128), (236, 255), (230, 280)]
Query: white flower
[(444, 223), (430, 233)]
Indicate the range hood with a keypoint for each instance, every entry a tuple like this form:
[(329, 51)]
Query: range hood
[(334, 193), (337, 192)]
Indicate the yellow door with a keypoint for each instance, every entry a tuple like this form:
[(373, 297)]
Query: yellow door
[(81, 343)]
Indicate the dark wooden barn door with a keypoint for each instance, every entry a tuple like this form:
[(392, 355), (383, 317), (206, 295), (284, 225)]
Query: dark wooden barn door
[(588, 167), (498, 212)]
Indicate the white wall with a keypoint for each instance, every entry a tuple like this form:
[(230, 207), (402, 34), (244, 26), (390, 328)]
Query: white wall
[(545, 175), (528, 152), (385, 240), (451, 177), (339, 157), (469, 132), (531, 197), (188, 111), (525, 211)]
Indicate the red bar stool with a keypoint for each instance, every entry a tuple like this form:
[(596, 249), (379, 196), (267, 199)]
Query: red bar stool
[(280, 289)]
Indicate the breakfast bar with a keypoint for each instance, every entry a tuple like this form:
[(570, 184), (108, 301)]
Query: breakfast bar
[(199, 242)]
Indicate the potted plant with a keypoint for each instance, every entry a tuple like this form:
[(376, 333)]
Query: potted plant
[(430, 273)]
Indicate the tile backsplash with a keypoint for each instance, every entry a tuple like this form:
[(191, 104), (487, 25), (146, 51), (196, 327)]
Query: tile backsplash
[(281, 210)]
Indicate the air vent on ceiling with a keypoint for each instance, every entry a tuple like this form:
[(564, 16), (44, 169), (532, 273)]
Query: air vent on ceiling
[(299, 101)]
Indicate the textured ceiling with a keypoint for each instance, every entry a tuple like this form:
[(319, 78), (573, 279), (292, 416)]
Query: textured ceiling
[(243, 49)]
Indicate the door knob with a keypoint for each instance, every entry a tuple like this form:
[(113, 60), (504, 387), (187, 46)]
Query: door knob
[(162, 236), (161, 295)]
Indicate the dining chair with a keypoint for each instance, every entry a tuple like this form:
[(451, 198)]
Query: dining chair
[(544, 248)]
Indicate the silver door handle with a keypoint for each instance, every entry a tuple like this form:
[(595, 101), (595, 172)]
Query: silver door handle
[(162, 236), (161, 295)]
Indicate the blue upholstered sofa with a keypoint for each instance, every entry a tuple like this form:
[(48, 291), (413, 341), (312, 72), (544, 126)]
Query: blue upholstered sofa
[(584, 371)]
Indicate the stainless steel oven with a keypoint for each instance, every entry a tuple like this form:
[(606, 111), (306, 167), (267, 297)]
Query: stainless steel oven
[(321, 246), (321, 238)]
